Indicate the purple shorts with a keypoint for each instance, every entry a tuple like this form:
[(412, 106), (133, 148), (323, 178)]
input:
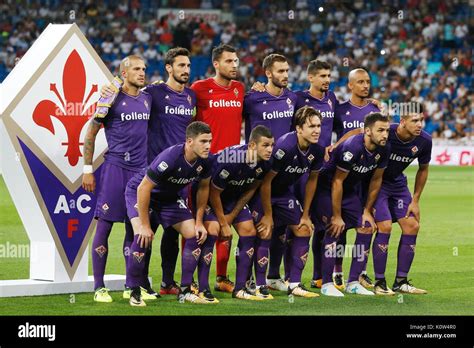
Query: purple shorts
[(351, 209), (287, 210), (167, 212), (243, 215), (392, 202), (111, 193)]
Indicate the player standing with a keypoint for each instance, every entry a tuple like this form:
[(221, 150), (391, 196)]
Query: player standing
[(348, 116), (219, 104), (125, 127)]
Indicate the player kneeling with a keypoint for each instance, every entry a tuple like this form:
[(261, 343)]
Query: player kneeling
[(157, 188)]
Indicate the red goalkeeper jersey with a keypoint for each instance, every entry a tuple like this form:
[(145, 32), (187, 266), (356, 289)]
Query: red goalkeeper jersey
[(221, 108)]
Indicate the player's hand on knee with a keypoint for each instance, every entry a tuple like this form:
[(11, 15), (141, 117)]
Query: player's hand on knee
[(145, 237), (106, 91), (336, 226), (265, 226), (258, 86), (201, 233), (229, 219), (327, 152), (367, 217), (88, 182), (225, 232), (306, 221), (414, 209)]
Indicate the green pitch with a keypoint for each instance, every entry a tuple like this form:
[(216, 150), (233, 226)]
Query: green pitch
[(444, 265)]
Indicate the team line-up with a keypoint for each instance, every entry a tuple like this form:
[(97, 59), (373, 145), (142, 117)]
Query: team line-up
[(174, 159)]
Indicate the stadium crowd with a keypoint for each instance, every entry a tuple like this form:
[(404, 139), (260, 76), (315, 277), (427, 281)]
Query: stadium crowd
[(413, 49)]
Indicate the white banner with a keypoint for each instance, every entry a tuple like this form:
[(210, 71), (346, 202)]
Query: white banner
[(450, 155)]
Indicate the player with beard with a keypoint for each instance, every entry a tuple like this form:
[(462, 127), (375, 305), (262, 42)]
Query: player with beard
[(342, 205), (219, 104), (172, 110), (395, 204), (348, 116), (125, 126)]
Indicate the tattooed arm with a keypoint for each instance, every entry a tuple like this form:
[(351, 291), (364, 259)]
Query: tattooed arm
[(88, 179)]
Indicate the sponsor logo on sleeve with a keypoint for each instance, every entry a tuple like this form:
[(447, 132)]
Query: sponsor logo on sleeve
[(347, 156), (162, 166), (224, 174), (279, 154)]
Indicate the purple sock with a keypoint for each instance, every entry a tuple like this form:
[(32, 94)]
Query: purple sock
[(380, 253), (359, 255), (328, 257), (189, 260), (136, 264), (261, 260), (317, 247), (127, 243), (244, 260), (299, 256), (204, 264), (287, 253), (341, 246), (169, 254), (100, 251), (406, 253), (277, 249)]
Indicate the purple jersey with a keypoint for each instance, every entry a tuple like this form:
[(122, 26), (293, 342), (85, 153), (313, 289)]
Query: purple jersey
[(403, 153), (171, 112), (233, 174), (126, 126), (273, 112), (348, 117), (171, 172), (326, 106), (290, 162), (353, 157)]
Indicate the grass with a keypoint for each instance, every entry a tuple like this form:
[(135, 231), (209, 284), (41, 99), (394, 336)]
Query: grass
[(444, 265)]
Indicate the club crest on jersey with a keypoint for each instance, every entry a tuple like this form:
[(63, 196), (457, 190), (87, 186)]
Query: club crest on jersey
[(124, 104), (101, 250), (414, 150), (146, 104), (250, 252), (236, 92), (288, 101), (264, 102), (210, 91), (377, 157), (306, 101), (347, 156), (162, 166), (196, 253), (138, 256), (105, 207), (330, 103), (189, 99), (310, 158), (167, 97), (279, 154), (263, 261), (258, 171), (224, 174), (208, 258), (199, 169)]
